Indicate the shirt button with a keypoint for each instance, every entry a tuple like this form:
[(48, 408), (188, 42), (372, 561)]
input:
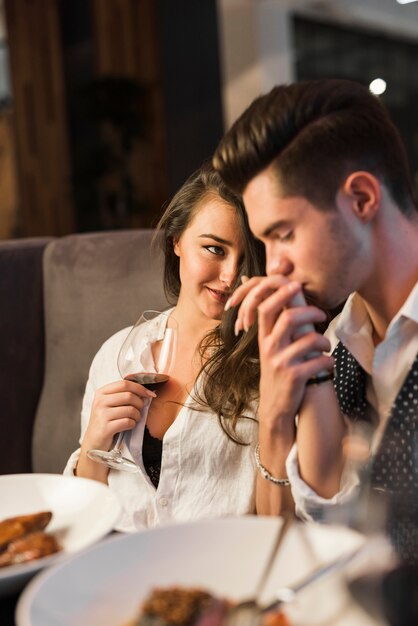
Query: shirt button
[(163, 502)]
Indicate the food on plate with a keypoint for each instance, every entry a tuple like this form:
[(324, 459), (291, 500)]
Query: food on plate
[(176, 606), (15, 527), (181, 606), (22, 538)]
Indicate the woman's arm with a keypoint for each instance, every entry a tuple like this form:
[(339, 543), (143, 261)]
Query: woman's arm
[(286, 364), (275, 443)]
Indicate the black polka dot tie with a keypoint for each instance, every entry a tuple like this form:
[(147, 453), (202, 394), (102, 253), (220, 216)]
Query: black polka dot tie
[(394, 469), (350, 385)]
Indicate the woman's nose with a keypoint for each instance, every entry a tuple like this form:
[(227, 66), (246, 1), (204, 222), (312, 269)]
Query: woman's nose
[(229, 272)]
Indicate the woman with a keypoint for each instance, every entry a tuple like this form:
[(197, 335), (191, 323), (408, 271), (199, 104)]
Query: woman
[(202, 427)]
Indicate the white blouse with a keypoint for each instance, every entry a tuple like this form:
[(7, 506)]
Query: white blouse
[(203, 473)]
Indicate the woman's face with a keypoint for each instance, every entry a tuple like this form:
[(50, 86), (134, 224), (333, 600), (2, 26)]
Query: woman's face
[(210, 251)]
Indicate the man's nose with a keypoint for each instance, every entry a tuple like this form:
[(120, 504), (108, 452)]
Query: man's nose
[(276, 264)]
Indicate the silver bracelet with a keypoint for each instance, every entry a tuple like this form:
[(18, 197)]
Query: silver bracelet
[(283, 482)]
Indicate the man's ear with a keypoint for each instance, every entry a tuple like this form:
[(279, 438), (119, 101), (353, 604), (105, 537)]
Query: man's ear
[(364, 191)]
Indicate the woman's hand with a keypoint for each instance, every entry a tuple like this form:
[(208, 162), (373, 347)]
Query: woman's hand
[(116, 407), (290, 354), (286, 353)]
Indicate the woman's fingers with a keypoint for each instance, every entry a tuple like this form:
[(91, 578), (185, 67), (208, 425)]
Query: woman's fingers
[(286, 325), (129, 414), (121, 386), (116, 407), (255, 291), (106, 421), (240, 293), (122, 399)]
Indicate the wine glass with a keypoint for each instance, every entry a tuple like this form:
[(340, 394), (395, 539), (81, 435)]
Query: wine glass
[(146, 357)]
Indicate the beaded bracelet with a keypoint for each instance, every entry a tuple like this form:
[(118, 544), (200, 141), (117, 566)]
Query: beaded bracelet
[(321, 378), (283, 482)]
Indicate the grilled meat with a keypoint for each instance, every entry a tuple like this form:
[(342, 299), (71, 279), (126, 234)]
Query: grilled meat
[(16, 527), (28, 548)]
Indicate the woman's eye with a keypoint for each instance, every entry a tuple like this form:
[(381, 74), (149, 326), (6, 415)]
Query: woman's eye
[(215, 250)]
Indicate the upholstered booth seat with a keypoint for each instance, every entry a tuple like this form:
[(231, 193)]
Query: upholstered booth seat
[(59, 300)]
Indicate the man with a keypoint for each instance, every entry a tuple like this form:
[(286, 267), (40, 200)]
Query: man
[(325, 182)]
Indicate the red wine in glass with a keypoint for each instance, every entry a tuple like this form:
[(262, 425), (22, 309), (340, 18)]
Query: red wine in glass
[(149, 380)]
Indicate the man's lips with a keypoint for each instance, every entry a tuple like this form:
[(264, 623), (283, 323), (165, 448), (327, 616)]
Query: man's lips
[(219, 296)]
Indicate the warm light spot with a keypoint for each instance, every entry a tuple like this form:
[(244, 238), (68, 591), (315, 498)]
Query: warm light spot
[(377, 86)]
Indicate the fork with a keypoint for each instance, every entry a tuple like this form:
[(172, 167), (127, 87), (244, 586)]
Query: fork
[(250, 613)]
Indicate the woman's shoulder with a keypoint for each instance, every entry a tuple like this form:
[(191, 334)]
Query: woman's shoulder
[(109, 350)]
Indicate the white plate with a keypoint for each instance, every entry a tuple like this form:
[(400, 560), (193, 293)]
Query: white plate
[(104, 585), (83, 512)]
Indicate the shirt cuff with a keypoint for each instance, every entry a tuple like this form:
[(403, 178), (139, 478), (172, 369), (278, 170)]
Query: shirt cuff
[(72, 464), (309, 505)]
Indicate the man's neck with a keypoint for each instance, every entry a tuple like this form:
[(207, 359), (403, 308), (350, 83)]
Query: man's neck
[(395, 275)]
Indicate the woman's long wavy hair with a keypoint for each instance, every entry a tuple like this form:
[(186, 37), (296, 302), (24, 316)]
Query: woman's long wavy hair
[(230, 370)]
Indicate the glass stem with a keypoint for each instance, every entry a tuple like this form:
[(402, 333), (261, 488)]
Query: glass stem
[(118, 443)]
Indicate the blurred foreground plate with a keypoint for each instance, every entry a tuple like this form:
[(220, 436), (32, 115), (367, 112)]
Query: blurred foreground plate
[(104, 585), (83, 512)]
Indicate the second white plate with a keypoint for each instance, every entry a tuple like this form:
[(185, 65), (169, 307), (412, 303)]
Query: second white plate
[(83, 511)]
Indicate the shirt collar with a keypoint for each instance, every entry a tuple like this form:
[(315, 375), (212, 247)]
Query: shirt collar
[(353, 327), (409, 309)]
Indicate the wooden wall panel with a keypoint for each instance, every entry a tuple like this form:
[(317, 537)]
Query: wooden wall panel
[(40, 117), (127, 44), (8, 183)]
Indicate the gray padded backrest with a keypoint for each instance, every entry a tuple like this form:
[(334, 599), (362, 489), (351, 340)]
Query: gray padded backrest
[(94, 285)]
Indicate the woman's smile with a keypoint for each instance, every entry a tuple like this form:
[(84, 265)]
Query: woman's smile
[(218, 295)]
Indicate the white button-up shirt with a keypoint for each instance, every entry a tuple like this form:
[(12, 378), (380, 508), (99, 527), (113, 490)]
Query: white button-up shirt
[(386, 366), (203, 473)]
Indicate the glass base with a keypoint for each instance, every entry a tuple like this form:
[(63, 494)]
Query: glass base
[(113, 459)]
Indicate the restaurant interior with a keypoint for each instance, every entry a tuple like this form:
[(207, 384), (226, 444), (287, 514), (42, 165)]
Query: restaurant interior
[(106, 108), (188, 70)]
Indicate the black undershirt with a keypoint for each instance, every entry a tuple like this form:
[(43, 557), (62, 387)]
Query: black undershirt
[(152, 450)]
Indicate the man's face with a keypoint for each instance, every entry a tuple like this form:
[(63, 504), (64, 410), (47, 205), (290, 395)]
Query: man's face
[(319, 249)]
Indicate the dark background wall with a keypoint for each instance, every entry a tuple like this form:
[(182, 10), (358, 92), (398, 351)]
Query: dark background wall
[(192, 83), (115, 103)]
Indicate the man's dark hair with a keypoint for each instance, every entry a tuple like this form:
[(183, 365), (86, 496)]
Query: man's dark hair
[(315, 134)]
